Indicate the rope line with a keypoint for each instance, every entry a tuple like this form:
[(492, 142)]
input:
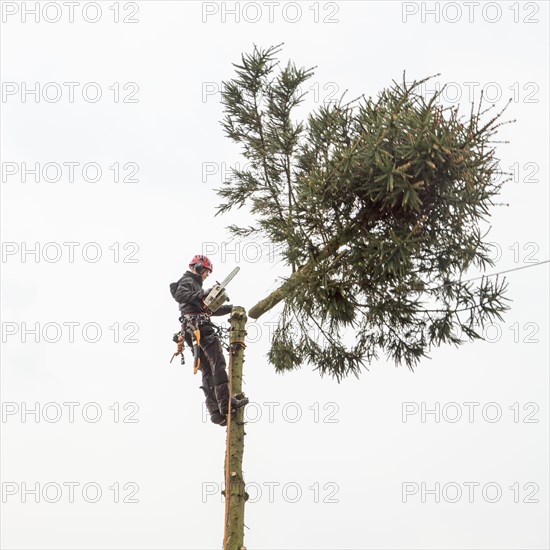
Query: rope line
[(490, 275)]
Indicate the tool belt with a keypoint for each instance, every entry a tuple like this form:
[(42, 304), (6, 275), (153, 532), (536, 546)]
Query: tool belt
[(190, 323)]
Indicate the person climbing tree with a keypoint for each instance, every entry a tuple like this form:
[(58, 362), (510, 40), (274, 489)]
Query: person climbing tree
[(198, 330)]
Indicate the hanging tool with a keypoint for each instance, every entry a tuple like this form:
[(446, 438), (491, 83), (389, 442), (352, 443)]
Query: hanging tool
[(196, 340), (178, 339)]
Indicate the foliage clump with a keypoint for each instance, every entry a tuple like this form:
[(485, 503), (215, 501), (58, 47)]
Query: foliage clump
[(375, 205)]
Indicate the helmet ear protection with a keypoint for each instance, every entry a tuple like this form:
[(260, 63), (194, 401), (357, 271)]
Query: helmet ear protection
[(199, 263), (199, 267)]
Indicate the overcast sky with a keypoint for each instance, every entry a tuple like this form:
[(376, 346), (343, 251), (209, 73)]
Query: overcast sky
[(115, 107)]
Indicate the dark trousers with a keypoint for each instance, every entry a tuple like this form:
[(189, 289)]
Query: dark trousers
[(213, 368)]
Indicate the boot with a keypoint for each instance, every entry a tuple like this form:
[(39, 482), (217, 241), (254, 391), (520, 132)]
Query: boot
[(236, 403), (218, 418)]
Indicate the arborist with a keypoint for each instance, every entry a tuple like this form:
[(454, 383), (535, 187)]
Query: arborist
[(200, 333)]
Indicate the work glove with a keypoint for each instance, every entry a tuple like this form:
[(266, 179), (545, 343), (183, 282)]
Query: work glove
[(223, 310), (205, 293)]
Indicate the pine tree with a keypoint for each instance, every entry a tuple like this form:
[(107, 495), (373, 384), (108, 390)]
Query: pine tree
[(376, 206)]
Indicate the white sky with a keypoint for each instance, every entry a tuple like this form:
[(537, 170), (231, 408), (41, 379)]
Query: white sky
[(172, 133)]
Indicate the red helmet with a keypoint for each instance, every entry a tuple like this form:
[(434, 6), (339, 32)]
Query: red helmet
[(200, 263)]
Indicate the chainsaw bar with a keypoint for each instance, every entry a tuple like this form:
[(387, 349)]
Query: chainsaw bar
[(228, 279)]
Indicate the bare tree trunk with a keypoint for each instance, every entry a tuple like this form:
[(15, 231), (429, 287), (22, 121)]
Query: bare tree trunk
[(235, 494)]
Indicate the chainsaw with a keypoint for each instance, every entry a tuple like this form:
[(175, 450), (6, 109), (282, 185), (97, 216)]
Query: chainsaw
[(217, 296)]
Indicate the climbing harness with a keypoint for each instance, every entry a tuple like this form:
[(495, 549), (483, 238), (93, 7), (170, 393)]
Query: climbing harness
[(190, 324)]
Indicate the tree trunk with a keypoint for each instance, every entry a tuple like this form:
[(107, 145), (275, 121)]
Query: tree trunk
[(235, 494), (299, 276)]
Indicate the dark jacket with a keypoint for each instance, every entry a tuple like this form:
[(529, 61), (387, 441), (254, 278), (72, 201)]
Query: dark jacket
[(188, 292)]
